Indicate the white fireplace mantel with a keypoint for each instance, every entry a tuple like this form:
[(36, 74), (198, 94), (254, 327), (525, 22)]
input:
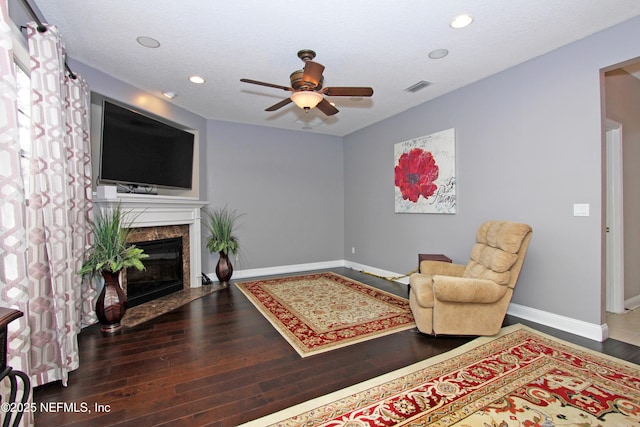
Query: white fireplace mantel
[(152, 211)]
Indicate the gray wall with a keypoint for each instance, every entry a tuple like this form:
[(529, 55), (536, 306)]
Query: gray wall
[(528, 146), (289, 185)]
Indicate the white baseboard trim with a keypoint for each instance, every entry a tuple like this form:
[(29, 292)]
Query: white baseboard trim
[(632, 303), (578, 327), (285, 269), (297, 268), (376, 271)]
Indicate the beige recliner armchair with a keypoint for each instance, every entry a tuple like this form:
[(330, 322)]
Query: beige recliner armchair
[(472, 299)]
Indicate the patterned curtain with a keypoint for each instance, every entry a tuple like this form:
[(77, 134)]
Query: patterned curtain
[(43, 236), (58, 209), (14, 284), (13, 273)]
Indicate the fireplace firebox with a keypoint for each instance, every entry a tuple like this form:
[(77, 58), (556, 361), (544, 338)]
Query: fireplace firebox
[(162, 274)]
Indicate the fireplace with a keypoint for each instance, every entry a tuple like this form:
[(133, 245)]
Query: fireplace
[(162, 217), (167, 269), (162, 275)]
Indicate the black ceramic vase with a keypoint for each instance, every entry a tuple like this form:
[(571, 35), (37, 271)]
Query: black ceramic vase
[(112, 302), (224, 269)]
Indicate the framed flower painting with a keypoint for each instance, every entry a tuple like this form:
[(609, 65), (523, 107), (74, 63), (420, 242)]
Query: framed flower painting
[(425, 178)]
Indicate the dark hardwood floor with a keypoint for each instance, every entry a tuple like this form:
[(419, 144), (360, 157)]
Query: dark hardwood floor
[(218, 362)]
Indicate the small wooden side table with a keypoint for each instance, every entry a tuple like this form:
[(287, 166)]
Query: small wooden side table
[(8, 315), (432, 257)]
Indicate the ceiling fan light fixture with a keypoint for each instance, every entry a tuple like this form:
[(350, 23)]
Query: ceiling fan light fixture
[(306, 99)]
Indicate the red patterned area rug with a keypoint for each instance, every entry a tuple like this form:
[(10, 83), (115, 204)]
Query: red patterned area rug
[(518, 378), (324, 311)]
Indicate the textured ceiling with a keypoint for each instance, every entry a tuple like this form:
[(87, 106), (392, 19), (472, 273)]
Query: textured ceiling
[(379, 43)]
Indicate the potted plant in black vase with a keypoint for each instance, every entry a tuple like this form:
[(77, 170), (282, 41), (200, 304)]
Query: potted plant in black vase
[(108, 256), (221, 224)]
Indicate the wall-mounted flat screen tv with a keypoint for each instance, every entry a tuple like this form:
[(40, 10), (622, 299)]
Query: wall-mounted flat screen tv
[(137, 150)]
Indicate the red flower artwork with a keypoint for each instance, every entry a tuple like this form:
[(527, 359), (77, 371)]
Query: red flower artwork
[(415, 174)]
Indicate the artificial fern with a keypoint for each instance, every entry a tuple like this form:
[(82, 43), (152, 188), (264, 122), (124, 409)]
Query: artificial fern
[(110, 250), (221, 223)]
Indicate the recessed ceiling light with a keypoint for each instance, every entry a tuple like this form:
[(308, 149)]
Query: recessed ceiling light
[(438, 53), (418, 86), (461, 21), (169, 94), (197, 80), (148, 42)]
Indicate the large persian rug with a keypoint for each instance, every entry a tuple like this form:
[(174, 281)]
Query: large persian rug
[(518, 378), (324, 311)]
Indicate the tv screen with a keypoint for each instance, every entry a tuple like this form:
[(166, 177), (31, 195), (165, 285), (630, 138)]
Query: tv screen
[(138, 150)]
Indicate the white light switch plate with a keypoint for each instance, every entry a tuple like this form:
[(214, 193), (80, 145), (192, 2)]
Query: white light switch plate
[(581, 209)]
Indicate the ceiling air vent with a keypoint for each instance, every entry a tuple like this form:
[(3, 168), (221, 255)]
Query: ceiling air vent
[(418, 86)]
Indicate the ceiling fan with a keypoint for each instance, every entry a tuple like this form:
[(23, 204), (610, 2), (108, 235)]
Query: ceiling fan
[(307, 90)]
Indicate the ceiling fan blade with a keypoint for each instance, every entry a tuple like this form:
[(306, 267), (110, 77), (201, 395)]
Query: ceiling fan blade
[(312, 72), (256, 82), (326, 107), (279, 105), (348, 91)]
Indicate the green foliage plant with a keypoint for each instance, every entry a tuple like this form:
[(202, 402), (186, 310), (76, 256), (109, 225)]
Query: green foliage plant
[(221, 224), (110, 250)]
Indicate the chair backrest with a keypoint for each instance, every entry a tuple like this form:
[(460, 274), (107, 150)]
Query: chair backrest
[(499, 252)]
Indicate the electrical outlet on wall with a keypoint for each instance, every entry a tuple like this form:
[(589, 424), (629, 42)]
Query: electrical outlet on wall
[(353, 250)]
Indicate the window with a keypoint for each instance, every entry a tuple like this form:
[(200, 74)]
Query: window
[(24, 124)]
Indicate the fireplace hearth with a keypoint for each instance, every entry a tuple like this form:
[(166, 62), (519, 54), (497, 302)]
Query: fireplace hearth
[(163, 273)]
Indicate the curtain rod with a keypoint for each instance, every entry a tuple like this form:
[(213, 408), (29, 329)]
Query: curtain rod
[(42, 28)]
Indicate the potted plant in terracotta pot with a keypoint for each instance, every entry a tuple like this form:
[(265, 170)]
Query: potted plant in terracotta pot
[(108, 256), (221, 224)]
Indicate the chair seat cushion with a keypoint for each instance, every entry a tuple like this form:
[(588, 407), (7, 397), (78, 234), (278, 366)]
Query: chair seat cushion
[(461, 290)]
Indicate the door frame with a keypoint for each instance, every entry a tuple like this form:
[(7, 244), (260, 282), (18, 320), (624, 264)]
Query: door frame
[(614, 233)]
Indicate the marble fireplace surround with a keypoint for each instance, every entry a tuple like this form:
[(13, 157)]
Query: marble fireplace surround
[(160, 232), (153, 217)]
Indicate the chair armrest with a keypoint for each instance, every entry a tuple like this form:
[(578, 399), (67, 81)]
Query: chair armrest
[(467, 290), (431, 268), (421, 288)]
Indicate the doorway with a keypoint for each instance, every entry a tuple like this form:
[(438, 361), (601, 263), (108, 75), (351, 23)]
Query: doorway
[(621, 100)]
